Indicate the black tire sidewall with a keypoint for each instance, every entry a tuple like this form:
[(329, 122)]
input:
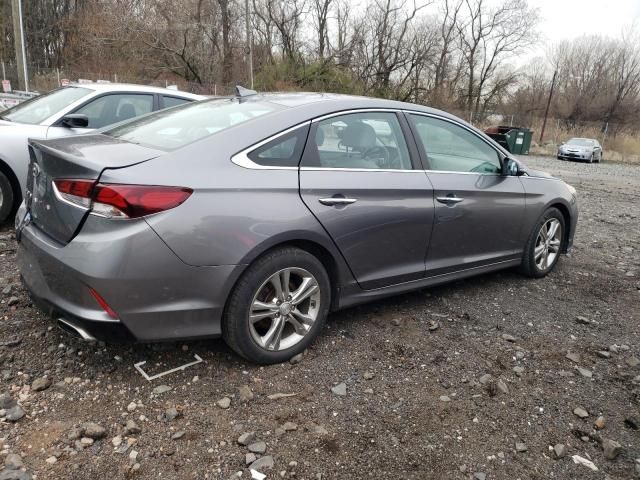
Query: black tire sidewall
[(529, 266), (235, 326), (7, 204)]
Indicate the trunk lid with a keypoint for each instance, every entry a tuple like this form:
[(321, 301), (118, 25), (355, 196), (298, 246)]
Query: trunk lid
[(81, 157)]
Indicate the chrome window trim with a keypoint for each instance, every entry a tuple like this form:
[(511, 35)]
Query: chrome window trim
[(242, 158), (449, 172), (344, 169), (358, 110)]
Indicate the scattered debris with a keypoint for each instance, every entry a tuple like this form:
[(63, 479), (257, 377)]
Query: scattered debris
[(577, 459), (340, 389), (580, 412), (277, 396), (138, 367), (611, 449), (245, 394), (560, 450)]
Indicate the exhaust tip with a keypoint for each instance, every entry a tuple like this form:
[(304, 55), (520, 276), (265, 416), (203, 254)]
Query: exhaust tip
[(75, 330)]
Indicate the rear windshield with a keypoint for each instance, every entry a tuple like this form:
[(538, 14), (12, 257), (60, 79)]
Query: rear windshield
[(179, 126), (38, 109)]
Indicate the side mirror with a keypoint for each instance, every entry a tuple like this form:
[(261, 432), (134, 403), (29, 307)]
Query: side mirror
[(75, 120), (510, 168)]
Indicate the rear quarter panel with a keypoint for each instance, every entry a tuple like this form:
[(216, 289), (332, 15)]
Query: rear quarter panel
[(234, 213)]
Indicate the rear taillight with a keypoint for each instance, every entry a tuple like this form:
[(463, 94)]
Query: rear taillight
[(119, 200), (77, 192)]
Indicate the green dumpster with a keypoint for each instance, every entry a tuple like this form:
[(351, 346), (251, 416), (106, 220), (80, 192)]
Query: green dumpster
[(515, 140)]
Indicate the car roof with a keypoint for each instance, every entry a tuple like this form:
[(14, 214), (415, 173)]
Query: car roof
[(130, 87)]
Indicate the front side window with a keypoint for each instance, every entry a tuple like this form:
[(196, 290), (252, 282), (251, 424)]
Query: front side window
[(116, 108), (38, 109), (371, 140), (452, 148), (284, 151), (179, 126)]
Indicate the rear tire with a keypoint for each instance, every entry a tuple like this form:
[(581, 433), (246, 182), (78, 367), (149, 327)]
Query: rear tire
[(534, 263), (7, 198), (255, 295)]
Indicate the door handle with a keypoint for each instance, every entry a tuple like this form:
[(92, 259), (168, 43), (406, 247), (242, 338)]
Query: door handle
[(331, 201), (449, 200)]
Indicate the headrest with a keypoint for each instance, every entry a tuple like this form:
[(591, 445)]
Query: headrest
[(359, 136), (127, 111), (319, 136)]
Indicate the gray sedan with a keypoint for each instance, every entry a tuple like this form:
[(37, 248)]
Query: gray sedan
[(585, 149), (253, 217)]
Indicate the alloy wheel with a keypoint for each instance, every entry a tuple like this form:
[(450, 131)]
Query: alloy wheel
[(284, 309), (548, 244)]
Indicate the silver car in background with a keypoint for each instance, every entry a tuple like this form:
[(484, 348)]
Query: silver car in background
[(252, 218), (68, 111), (585, 149)]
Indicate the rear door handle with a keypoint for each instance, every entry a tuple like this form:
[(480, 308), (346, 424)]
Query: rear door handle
[(449, 200), (337, 201)]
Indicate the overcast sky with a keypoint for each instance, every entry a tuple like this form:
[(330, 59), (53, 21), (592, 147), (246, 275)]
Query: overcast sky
[(571, 18)]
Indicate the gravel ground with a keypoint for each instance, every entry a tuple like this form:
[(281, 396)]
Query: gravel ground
[(469, 380)]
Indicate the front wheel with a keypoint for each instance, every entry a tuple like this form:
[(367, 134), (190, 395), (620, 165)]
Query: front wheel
[(544, 245), (277, 307)]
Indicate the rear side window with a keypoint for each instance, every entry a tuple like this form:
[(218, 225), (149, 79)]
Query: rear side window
[(284, 151), (174, 101), (368, 140)]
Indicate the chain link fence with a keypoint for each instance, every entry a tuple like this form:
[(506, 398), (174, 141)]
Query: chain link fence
[(46, 79)]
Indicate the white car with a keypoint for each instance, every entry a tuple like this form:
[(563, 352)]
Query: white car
[(67, 111)]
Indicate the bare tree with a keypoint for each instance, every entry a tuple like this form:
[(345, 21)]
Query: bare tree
[(488, 37), (287, 20), (321, 9), (624, 73)]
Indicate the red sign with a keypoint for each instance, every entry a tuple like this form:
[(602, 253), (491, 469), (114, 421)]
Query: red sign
[(64, 82), (6, 86)]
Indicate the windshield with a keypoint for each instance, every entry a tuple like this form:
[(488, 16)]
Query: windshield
[(581, 142), (179, 126), (38, 109)]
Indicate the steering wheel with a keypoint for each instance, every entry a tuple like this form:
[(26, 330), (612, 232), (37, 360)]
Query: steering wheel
[(378, 153)]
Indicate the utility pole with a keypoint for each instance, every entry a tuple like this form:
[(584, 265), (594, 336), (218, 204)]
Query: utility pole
[(546, 111), (249, 43), (21, 53)]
